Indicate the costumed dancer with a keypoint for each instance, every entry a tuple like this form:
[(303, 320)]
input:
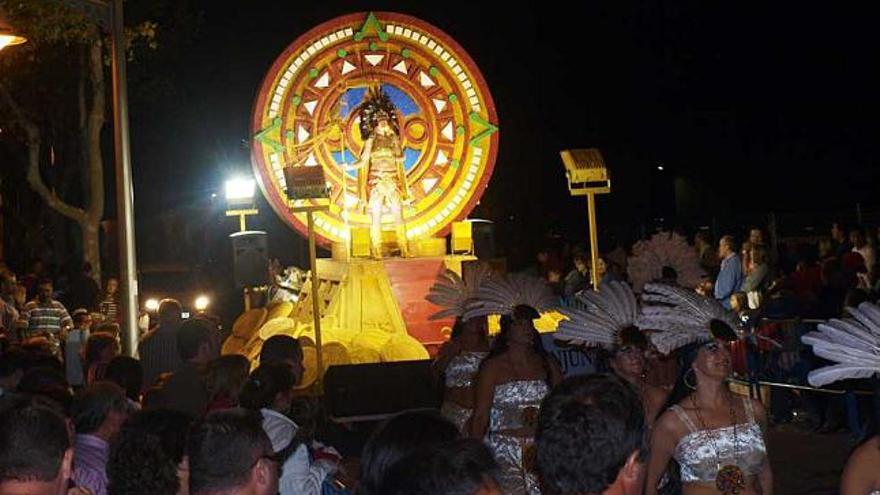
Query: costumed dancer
[(460, 358), (381, 177), (716, 438), (514, 377), (606, 319), (853, 344)]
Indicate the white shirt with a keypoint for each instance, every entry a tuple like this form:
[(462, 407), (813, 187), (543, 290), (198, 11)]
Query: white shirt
[(301, 476)]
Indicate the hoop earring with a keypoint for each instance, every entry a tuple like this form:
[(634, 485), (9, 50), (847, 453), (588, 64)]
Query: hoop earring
[(692, 383)]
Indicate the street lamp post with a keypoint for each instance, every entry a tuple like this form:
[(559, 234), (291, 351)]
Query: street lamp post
[(124, 190), (109, 14)]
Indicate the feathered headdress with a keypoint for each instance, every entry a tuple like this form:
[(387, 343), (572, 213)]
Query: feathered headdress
[(664, 249), (605, 318), (377, 105), (852, 343), (680, 317), (501, 295), (453, 293)]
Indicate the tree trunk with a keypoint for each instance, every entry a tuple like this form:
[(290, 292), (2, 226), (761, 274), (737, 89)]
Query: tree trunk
[(89, 217), (94, 161)]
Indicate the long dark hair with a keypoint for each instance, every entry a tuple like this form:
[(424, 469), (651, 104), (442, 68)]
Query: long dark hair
[(501, 342), (264, 384), (397, 438), (686, 357)]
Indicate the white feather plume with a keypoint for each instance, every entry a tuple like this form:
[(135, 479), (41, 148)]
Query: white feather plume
[(664, 249), (853, 343), (678, 317), (452, 292), (596, 318), (500, 295)]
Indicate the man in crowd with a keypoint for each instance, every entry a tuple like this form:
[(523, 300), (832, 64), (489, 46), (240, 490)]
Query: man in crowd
[(109, 305), (590, 438), (158, 348), (731, 275), (44, 314), (230, 454), (185, 390), (579, 278), (35, 453), (98, 412)]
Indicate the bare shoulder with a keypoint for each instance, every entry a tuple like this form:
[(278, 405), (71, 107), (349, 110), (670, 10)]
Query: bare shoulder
[(867, 452), (670, 425)]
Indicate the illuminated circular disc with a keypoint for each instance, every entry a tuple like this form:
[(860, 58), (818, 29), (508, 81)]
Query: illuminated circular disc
[(306, 114)]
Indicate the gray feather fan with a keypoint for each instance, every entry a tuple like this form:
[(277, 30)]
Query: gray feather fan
[(852, 343)]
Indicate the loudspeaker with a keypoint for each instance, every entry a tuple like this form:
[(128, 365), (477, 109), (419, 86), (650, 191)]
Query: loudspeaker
[(250, 259), (367, 392)]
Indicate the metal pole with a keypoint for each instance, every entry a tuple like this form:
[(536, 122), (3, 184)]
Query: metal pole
[(124, 195), (594, 239), (313, 264), (242, 223)]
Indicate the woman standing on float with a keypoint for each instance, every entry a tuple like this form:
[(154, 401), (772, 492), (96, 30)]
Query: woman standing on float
[(514, 377), (716, 438), (460, 358), (606, 319)]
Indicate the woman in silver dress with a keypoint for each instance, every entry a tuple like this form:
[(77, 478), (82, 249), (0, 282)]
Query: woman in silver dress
[(717, 438), (513, 379), (459, 359), (458, 363)]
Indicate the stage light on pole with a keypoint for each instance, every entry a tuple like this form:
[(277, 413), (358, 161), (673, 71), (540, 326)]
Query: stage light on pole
[(240, 190), (240, 196)]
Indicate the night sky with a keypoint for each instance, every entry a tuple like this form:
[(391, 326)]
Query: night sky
[(756, 107)]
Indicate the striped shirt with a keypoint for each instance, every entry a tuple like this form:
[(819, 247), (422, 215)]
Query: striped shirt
[(110, 309), (90, 455), (48, 317), (158, 353)]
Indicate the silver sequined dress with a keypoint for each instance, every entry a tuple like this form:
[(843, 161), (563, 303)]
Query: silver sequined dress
[(514, 406)]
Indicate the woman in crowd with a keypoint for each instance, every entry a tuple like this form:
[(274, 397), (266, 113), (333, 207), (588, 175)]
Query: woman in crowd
[(460, 358), (225, 377), (850, 344), (606, 319), (514, 377), (305, 469), (716, 438)]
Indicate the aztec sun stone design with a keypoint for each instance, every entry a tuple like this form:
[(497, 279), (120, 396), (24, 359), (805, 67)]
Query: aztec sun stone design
[(306, 115)]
